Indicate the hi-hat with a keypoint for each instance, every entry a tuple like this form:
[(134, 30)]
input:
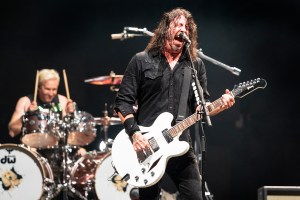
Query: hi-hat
[(107, 121), (112, 79)]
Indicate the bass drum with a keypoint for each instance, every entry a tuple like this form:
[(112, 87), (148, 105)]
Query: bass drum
[(96, 168), (23, 174)]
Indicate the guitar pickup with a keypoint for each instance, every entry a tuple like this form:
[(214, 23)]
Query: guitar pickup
[(167, 135), (153, 144)]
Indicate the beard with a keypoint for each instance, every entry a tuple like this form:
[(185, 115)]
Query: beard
[(175, 48), (172, 44)]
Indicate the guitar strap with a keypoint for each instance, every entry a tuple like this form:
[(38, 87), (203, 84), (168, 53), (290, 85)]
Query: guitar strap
[(184, 95)]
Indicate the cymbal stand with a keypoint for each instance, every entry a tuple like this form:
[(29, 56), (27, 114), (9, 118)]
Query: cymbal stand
[(89, 190), (105, 124), (49, 187)]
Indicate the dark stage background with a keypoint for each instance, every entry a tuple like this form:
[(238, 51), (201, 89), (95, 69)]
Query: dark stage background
[(252, 145)]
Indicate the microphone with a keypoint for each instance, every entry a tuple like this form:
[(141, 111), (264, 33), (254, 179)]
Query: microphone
[(184, 37)]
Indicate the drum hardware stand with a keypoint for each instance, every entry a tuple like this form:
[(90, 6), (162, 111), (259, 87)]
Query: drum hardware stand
[(88, 190), (65, 186), (49, 186), (114, 88), (105, 124)]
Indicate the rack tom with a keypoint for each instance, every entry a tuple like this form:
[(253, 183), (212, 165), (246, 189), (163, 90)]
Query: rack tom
[(40, 129)]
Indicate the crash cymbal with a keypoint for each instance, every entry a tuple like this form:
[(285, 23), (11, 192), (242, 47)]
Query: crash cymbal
[(111, 79), (107, 121)]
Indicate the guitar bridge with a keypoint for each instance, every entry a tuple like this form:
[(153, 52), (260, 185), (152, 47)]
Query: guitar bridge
[(143, 155)]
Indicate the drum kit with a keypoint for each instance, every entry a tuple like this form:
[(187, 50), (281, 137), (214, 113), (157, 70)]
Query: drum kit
[(47, 164)]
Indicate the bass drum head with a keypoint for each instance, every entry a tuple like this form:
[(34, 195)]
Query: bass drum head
[(108, 183), (21, 174)]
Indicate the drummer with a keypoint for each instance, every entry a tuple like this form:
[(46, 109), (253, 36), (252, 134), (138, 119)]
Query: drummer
[(47, 99)]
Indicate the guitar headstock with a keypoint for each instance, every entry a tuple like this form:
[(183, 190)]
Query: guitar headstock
[(242, 89)]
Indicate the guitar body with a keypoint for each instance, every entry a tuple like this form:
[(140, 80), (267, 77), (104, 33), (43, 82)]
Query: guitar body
[(149, 171)]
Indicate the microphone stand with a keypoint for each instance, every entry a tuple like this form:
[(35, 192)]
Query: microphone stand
[(145, 32), (234, 70), (201, 141)]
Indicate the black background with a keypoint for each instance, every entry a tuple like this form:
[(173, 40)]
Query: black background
[(251, 145)]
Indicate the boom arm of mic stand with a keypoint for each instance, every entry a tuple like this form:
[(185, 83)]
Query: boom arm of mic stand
[(233, 70), (149, 33), (139, 30)]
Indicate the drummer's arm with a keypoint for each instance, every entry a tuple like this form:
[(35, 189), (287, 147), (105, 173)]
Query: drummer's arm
[(16, 122), (66, 105)]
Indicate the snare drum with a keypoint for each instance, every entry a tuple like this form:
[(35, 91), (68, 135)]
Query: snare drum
[(82, 129), (23, 173), (39, 129), (96, 168)]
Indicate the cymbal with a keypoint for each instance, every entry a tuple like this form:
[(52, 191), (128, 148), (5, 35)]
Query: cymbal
[(111, 79), (107, 121)]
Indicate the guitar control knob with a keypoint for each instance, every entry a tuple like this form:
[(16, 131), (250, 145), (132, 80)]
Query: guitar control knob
[(143, 170), (145, 181), (136, 178), (152, 173)]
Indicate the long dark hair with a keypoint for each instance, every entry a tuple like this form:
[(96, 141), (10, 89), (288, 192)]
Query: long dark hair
[(160, 33)]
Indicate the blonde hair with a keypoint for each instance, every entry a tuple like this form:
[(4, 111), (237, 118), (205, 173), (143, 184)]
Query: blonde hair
[(48, 74)]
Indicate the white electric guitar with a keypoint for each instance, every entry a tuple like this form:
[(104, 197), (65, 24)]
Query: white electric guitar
[(145, 168)]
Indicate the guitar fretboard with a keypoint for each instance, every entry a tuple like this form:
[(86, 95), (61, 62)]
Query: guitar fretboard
[(186, 123), (214, 104)]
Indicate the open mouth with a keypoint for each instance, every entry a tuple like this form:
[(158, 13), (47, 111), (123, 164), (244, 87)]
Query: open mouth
[(177, 37)]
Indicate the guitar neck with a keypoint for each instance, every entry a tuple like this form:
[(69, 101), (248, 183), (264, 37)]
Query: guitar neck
[(191, 120), (239, 91), (184, 124)]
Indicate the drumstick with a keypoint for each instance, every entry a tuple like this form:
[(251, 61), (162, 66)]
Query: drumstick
[(36, 85), (66, 84)]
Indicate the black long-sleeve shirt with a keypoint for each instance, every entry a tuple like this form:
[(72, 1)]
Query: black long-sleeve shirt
[(151, 83)]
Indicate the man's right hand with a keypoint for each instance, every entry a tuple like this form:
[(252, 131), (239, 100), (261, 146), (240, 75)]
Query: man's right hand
[(139, 141), (33, 106)]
